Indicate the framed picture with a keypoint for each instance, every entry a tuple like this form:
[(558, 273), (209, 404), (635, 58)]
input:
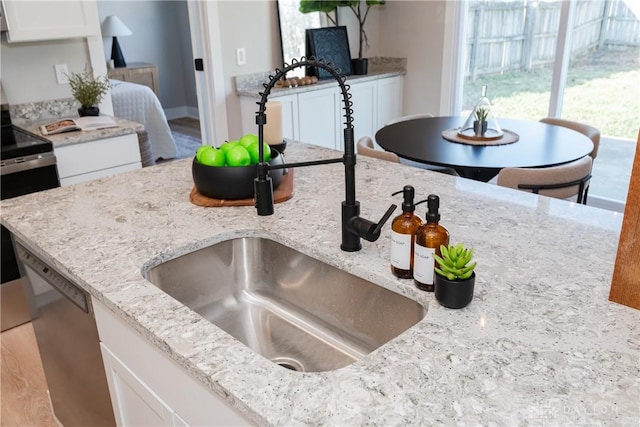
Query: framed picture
[(330, 44)]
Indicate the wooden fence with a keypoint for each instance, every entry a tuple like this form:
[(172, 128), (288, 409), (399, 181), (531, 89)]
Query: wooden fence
[(504, 36)]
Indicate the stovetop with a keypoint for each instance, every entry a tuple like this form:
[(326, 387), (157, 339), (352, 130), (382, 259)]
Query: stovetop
[(17, 143)]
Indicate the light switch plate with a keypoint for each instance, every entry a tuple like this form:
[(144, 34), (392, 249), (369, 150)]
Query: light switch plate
[(241, 56), (61, 73)]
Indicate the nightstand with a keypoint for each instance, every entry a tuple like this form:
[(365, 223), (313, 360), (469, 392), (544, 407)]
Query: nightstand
[(137, 72)]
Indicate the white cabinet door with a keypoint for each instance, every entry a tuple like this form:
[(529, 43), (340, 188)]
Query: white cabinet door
[(290, 125), (144, 380), (49, 20), (363, 96), (134, 404), (94, 159), (319, 117), (389, 100)]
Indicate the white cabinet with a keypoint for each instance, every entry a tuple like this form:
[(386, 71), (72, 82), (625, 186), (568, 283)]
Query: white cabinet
[(364, 97), (390, 101), (95, 159), (148, 388), (49, 20), (317, 116)]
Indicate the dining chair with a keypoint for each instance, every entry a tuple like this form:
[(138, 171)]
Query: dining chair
[(366, 148), (562, 182), (442, 169), (587, 130)]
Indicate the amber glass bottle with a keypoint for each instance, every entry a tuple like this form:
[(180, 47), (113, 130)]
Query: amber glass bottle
[(403, 228), (428, 239)]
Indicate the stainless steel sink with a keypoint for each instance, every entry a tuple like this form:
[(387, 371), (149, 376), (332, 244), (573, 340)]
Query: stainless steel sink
[(292, 309)]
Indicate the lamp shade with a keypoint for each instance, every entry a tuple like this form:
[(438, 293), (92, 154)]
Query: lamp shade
[(112, 26)]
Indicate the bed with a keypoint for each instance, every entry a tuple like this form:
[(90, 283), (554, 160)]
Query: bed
[(140, 104)]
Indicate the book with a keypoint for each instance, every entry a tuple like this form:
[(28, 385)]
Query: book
[(86, 123)]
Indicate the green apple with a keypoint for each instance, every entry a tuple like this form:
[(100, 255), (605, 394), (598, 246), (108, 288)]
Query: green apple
[(248, 139), (213, 157), (253, 152), (228, 145), (238, 156), (201, 150)]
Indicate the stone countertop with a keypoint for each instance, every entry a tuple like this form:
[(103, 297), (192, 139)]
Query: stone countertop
[(125, 127), (379, 68), (539, 344)]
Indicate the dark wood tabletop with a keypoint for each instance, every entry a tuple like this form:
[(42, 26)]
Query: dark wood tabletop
[(539, 145)]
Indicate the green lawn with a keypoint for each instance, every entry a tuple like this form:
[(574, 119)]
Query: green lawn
[(603, 90)]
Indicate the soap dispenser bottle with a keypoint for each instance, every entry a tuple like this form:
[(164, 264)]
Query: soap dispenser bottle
[(403, 229), (429, 237)]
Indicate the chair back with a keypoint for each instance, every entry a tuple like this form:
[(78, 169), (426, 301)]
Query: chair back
[(561, 182), (366, 148), (587, 130), (409, 117)]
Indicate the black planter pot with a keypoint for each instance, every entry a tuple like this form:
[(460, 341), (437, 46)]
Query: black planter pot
[(360, 66), (88, 111), (478, 129), (454, 293)]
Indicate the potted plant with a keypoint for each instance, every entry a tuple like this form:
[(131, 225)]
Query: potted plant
[(454, 280), (360, 64), (480, 123), (89, 91)]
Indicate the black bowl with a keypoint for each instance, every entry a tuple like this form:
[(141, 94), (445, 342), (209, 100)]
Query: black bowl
[(232, 183)]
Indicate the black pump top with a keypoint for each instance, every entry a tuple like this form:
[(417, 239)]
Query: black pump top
[(433, 204), (408, 205), (408, 192)]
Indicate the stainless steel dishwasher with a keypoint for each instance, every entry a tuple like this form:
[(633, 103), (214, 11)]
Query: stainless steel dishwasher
[(65, 329)]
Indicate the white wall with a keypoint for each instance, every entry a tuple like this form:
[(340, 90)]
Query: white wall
[(27, 68), (252, 25), (415, 30)]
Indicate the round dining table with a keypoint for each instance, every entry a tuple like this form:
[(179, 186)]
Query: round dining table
[(538, 145)]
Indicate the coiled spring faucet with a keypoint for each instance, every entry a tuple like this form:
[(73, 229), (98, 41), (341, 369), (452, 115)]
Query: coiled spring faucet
[(353, 226)]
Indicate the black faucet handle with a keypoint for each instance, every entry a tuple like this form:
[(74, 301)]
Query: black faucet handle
[(369, 230), (383, 220)]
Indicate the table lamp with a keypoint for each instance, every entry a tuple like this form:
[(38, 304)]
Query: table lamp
[(112, 26)]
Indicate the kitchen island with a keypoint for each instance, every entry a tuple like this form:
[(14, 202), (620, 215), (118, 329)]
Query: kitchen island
[(539, 344)]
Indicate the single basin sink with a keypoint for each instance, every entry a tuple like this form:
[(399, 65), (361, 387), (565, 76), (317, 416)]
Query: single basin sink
[(294, 310)]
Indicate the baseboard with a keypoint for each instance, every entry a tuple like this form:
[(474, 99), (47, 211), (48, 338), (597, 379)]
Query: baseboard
[(605, 203), (184, 111)]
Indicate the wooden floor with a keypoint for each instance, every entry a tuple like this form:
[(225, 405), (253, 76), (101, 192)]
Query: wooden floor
[(24, 400), (186, 125)]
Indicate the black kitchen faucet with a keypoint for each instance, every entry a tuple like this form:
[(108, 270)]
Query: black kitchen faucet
[(353, 226)]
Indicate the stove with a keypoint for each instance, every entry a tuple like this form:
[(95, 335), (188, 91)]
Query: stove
[(17, 143)]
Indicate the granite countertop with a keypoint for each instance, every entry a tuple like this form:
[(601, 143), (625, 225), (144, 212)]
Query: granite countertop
[(540, 344), (125, 127), (379, 68)]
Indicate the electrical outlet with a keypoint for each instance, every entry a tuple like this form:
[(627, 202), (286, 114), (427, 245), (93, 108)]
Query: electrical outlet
[(241, 56), (61, 73)]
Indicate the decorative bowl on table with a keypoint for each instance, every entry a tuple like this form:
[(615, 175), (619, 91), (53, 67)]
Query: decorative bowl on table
[(232, 182)]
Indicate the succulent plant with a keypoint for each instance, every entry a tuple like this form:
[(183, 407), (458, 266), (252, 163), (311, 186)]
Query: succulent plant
[(454, 262), (482, 113)]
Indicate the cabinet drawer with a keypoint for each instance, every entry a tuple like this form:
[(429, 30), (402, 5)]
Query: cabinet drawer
[(97, 155)]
